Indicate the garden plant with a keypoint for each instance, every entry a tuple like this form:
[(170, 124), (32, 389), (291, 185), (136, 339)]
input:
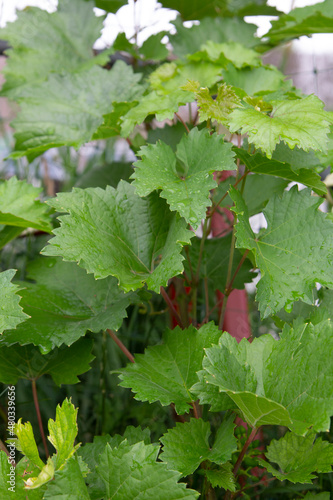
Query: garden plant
[(119, 381)]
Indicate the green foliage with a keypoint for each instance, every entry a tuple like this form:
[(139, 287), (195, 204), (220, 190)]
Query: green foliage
[(217, 136)]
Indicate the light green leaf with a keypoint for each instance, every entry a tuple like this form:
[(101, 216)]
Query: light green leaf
[(132, 471), (45, 475), (11, 313), (72, 30), (68, 109), (223, 53), (152, 49), (236, 369), (15, 488), (68, 483), (253, 80), (185, 177), (101, 233), (302, 21), (293, 253), (298, 457), (26, 443), (259, 164), (214, 262), (75, 301), (306, 351), (63, 364), (20, 207), (222, 477), (166, 372), (62, 432), (180, 454), (286, 123), (164, 106)]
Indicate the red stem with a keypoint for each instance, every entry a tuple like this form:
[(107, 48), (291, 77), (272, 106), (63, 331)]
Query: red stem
[(171, 307), (119, 343), (39, 418), (182, 121)]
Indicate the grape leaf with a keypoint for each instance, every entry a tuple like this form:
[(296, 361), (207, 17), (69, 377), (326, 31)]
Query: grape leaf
[(185, 177), (11, 313), (222, 477), (26, 443), (64, 303), (307, 351), (302, 21), (297, 158), (166, 372), (164, 106), (253, 80), (223, 53), (132, 471), (68, 109), (286, 123), (214, 262), (16, 490), (293, 253), (101, 233), (258, 163), (63, 364), (68, 483), (72, 29), (62, 432), (153, 49), (298, 457), (220, 30), (20, 207), (180, 454), (237, 370)]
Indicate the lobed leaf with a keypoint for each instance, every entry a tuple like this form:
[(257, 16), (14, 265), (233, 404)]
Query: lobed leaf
[(11, 313)]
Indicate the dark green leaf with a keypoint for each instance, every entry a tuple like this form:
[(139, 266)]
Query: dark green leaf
[(180, 454), (186, 189), (68, 483), (101, 233), (64, 303), (11, 313), (166, 372), (293, 253)]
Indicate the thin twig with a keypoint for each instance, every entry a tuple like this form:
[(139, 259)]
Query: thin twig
[(182, 121), (195, 410), (119, 343), (241, 262), (171, 307), (39, 418)]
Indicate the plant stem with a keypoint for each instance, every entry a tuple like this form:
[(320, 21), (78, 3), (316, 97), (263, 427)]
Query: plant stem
[(119, 343), (195, 410), (237, 270), (182, 121), (228, 495), (3, 448), (39, 418), (171, 306)]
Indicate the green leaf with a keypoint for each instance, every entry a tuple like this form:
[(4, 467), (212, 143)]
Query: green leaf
[(185, 177), (11, 313), (101, 233), (105, 175), (298, 457), (223, 53), (45, 475), (64, 303), (219, 30), (68, 109), (68, 483), (166, 372), (180, 454), (293, 253), (62, 432), (286, 123), (258, 190), (8, 233), (110, 5), (259, 164), (132, 471), (72, 30), (26, 443), (305, 350), (15, 488), (302, 21), (318, 496), (236, 369), (214, 262), (222, 477), (20, 207), (164, 106), (253, 80), (153, 49), (297, 158), (63, 364)]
